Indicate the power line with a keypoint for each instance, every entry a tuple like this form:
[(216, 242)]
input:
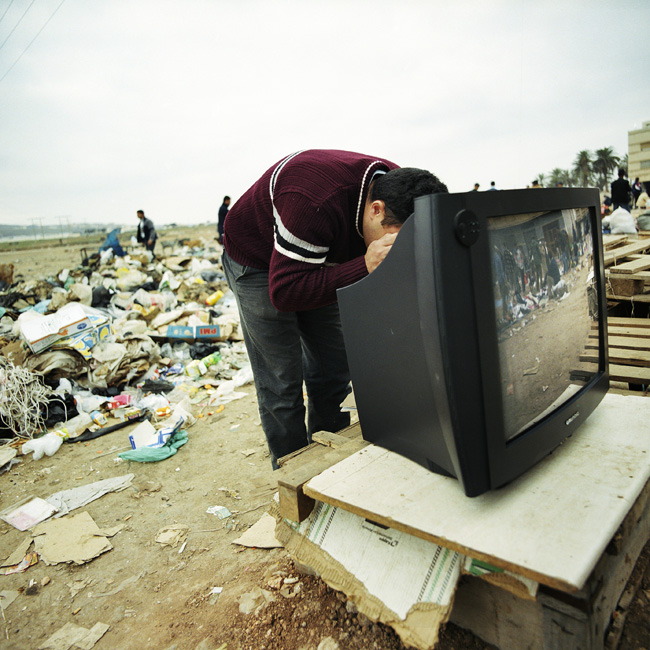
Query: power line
[(20, 20), (6, 10), (33, 39)]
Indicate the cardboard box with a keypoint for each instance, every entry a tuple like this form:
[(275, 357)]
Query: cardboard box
[(204, 332), (84, 341), (42, 332), (145, 435)]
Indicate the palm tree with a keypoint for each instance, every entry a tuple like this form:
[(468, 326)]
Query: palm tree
[(582, 167), (557, 176), (623, 163), (568, 178), (541, 179), (605, 162)]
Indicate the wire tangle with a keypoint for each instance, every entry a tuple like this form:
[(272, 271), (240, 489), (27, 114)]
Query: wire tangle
[(23, 399)]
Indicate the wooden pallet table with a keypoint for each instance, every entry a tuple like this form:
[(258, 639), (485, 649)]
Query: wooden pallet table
[(575, 523), (627, 263)]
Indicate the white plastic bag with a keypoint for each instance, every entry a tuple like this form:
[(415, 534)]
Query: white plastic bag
[(46, 445), (620, 222)]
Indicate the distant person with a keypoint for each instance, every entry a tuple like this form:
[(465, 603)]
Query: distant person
[(492, 187), (113, 243), (476, 186), (621, 192), (146, 232), (536, 185), (636, 191), (559, 184), (223, 211), (643, 201)]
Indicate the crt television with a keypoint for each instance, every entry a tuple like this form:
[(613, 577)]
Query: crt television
[(480, 342)]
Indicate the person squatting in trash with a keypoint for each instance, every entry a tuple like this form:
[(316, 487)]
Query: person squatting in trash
[(316, 221)]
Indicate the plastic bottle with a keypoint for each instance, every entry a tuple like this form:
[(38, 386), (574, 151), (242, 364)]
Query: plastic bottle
[(98, 418), (211, 360), (195, 369), (214, 298), (78, 424), (87, 403)]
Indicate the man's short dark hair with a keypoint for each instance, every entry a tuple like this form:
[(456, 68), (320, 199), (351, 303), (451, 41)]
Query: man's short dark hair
[(399, 187), (140, 212), (226, 198)]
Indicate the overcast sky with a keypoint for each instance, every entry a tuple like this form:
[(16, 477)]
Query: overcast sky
[(118, 105)]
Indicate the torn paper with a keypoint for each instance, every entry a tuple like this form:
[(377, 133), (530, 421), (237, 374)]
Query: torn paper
[(68, 500), (75, 538), (260, 534)]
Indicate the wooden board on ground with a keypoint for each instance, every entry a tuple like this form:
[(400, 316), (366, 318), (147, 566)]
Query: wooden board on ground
[(622, 321), (630, 374), (621, 356), (552, 524), (639, 275), (621, 285), (615, 254), (627, 342), (612, 241), (639, 297), (297, 468), (635, 266), (634, 332)]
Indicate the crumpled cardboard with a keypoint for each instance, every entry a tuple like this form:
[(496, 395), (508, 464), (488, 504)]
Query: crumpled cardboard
[(260, 534), (41, 332), (391, 577), (75, 636), (73, 539), (57, 364)]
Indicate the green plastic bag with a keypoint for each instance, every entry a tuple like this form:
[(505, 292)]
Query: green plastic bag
[(154, 454)]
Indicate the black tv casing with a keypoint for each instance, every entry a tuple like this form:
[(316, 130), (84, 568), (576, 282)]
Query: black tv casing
[(421, 338)]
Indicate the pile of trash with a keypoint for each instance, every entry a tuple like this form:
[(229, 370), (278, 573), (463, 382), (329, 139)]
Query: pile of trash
[(117, 340)]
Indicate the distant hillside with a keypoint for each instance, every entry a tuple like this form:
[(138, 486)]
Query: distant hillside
[(38, 231)]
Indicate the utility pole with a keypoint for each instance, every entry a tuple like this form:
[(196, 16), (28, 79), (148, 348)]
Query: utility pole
[(60, 229)]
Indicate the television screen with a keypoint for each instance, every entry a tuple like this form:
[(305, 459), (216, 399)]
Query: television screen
[(544, 290), (480, 342)]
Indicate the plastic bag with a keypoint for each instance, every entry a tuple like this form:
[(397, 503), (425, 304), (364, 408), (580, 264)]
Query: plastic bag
[(155, 454), (152, 402), (620, 222), (46, 445)]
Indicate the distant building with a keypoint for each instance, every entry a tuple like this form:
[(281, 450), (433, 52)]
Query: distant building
[(638, 147)]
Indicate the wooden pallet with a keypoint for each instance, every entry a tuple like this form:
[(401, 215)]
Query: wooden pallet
[(299, 467), (627, 263), (629, 351)]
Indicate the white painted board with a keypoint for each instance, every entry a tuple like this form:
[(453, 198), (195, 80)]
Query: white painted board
[(552, 524)]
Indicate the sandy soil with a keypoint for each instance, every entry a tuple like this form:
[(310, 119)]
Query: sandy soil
[(158, 597)]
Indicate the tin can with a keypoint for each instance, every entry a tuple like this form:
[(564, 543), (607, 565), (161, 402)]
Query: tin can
[(98, 418), (214, 298)]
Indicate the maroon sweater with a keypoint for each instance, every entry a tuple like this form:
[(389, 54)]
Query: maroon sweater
[(302, 220)]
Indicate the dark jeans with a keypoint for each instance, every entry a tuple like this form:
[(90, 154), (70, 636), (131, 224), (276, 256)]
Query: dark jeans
[(285, 349)]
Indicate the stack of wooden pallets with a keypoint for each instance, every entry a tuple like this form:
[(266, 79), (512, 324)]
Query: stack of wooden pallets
[(627, 271), (629, 352), (627, 264)]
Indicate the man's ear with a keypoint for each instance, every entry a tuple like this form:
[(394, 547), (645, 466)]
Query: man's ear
[(378, 210)]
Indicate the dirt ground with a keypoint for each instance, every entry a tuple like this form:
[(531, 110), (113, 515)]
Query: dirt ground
[(539, 353), (160, 597)]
